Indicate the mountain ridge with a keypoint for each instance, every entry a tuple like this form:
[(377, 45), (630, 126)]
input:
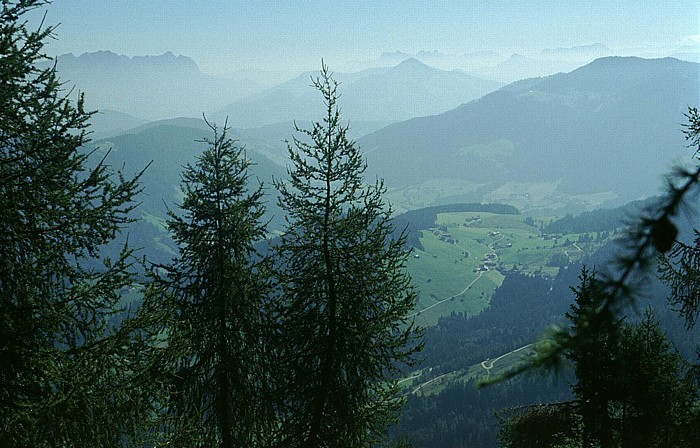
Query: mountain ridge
[(574, 131), (147, 87), (408, 89)]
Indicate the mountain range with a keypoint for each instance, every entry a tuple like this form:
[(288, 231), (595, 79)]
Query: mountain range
[(604, 132), (129, 91), (377, 95), (600, 135), (148, 87), (498, 66)]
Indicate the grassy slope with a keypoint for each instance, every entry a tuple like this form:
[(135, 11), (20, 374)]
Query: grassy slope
[(443, 271)]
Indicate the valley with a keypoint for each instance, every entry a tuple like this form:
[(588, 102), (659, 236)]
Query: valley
[(465, 257)]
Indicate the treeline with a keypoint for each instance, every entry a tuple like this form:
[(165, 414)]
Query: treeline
[(414, 221), (601, 220), (294, 347), (522, 309), (466, 415), (632, 388), (463, 414)]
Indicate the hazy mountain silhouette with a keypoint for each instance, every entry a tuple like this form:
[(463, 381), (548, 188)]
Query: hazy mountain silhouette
[(148, 87), (381, 95), (596, 50), (108, 122)]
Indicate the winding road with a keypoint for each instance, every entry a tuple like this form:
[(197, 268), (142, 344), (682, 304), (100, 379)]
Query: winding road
[(478, 276), (566, 252), (492, 361), (420, 386), (486, 365)]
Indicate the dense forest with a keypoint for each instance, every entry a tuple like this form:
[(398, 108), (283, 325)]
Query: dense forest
[(522, 310), (603, 220), (234, 338)]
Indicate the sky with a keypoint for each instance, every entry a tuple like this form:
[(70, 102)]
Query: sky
[(225, 36)]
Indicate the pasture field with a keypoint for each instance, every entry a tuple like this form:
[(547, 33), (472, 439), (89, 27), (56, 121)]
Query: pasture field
[(466, 255)]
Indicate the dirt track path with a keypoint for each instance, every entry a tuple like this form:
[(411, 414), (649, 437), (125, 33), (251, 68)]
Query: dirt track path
[(492, 361), (478, 276), (420, 386), (566, 252)]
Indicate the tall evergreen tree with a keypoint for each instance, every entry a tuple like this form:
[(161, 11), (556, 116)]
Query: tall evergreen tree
[(632, 390), (64, 365), (595, 361), (657, 396), (680, 269), (344, 289), (210, 304)]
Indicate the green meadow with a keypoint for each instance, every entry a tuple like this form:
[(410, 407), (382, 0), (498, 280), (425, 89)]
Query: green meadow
[(466, 255)]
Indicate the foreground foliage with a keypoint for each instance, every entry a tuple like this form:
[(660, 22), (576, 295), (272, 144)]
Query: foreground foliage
[(216, 356), (65, 370), (633, 389), (344, 291), (206, 308)]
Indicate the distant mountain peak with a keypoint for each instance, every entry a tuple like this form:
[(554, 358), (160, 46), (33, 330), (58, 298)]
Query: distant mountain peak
[(151, 87), (622, 62), (517, 57), (596, 48), (575, 131), (412, 64), (109, 57), (412, 61), (393, 54), (430, 54)]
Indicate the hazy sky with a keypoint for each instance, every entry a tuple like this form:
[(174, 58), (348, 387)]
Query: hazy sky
[(225, 35)]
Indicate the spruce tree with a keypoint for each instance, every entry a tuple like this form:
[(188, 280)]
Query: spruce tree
[(345, 293), (633, 389), (595, 361), (207, 306), (657, 396), (65, 365)]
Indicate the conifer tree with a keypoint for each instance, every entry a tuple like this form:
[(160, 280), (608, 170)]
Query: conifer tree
[(657, 395), (633, 389), (680, 269), (595, 362), (64, 363), (208, 306), (345, 293)]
